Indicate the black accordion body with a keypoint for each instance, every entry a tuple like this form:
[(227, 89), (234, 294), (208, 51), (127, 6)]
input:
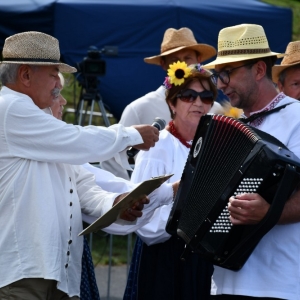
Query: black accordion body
[(228, 158)]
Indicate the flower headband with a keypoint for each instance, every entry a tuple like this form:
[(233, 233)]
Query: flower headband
[(179, 71)]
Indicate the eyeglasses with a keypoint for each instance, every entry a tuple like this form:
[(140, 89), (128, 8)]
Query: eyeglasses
[(224, 75), (189, 95)]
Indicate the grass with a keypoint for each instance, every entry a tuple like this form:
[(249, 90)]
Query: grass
[(101, 241), (121, 248)]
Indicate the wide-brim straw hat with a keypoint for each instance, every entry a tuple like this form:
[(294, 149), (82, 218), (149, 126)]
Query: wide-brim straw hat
[(34, 48), (291, 58), (241, 42), (175, 40)]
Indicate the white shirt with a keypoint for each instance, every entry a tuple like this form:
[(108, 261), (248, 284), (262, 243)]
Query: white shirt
[(41, 197), (167, 157), (273, 269), (146, 108)]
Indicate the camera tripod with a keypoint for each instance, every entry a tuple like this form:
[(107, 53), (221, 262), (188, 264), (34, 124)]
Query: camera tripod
[(90, 98)]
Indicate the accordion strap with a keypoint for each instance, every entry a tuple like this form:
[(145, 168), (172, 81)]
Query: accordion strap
[(263, 113)]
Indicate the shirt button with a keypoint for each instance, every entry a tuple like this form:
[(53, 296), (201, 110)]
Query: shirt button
[(68, 253), (70, 242), (71, 216), (66, 265), (70, 178), (70, 228), (71, 203), (71, 191)]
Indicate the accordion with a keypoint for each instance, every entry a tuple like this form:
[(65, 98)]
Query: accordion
[(228, 158)]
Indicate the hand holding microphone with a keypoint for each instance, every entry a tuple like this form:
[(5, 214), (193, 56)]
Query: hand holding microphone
[(149, 134)]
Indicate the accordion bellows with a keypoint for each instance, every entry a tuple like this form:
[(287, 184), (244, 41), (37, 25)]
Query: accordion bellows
[(228, 158)]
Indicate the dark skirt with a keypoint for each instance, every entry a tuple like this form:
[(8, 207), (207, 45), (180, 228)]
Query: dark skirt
[(88, 287), (157, 272)]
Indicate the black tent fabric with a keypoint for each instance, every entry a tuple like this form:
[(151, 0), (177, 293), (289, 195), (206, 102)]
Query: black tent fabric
[(136, 28)]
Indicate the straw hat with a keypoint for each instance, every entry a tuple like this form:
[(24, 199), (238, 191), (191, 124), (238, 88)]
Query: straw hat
[(175, 40), (291, 58), (34, 48), (241, 42)]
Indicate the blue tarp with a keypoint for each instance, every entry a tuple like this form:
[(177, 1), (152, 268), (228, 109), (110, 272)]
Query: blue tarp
[(136, 27)]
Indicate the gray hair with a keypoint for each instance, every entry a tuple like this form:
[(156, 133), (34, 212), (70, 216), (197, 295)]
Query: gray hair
[(282, 74), (62, 79), (8, 73)]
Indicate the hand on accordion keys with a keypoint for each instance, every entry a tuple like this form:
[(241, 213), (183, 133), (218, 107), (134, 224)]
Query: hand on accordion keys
[(247, 209)]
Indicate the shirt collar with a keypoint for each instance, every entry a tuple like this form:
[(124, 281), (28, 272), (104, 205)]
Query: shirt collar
[(268, 107)]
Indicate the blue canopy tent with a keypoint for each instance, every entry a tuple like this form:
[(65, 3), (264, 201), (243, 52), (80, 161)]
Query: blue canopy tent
[(136, 28)]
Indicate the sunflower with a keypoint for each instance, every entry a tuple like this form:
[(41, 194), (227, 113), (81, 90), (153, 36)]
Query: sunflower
[(177, 72)]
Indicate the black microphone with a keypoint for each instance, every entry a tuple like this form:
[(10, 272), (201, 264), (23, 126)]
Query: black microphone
[(158, 123)]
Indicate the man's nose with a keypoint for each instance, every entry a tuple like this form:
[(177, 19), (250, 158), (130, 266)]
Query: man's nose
[(62, 100)]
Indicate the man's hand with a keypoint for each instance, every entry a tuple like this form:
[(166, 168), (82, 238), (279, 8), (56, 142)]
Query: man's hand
[(135, 211), (246, 209), (149, 134)]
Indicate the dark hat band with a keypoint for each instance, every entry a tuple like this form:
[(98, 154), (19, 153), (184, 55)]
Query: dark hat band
[(32, 60), (244, 51)]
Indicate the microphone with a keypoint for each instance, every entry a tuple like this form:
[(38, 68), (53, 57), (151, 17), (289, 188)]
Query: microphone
[(158, 123)]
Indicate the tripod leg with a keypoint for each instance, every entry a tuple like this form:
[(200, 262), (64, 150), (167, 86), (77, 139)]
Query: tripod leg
[(80, 111), (91, 111), (103, 111)]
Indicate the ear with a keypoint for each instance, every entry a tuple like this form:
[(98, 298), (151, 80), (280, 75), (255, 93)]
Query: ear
[(163, 64), (280, 86), (25, 75), (260, 68), (199, 58), (172, 107)]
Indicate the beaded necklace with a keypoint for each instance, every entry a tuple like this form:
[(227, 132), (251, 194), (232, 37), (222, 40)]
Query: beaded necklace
[(174, 132)]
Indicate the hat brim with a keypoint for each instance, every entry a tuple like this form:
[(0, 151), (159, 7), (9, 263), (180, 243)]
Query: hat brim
[(277, 69), (205, 50), (63, 68), (235, 58)]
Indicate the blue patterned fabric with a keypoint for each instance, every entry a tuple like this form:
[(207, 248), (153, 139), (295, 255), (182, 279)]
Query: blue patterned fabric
[(131, 286), (88, 288)]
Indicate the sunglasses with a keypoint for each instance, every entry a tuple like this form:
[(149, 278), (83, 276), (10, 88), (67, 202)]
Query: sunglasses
[(189, 95)]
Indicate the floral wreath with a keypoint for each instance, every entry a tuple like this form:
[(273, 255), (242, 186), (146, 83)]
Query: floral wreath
[(178, 71)]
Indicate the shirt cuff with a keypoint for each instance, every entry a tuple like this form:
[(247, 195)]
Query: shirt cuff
[(135, 137), (163, 195), (106, 205)]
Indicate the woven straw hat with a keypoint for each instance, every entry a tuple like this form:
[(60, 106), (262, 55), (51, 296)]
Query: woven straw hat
[(34, 48), (175, 40), (241, 42), (291, 58)]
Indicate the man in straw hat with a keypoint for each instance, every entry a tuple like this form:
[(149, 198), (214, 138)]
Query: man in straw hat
[(287, 74), (177, 45), (42, 194), (244, 73)]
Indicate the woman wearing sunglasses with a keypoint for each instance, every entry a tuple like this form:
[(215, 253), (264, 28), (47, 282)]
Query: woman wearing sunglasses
[(158, 272)]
